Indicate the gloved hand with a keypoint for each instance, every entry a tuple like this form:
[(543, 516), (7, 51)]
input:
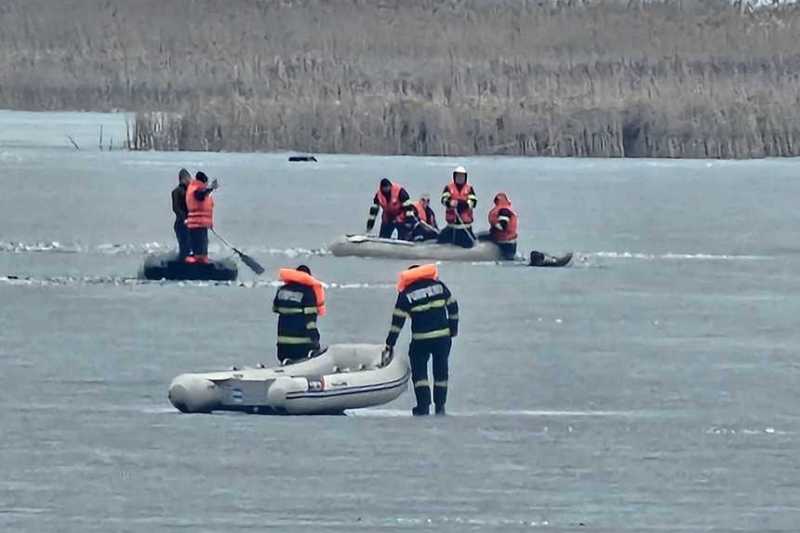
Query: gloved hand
[(453, 203), (370, 225), (387, 355), (214, 184)]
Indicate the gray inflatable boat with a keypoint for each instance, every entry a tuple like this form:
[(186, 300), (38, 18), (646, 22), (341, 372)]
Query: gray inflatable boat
[(367, 246)]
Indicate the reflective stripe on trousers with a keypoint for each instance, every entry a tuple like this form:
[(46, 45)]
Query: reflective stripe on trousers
[(294, 340)]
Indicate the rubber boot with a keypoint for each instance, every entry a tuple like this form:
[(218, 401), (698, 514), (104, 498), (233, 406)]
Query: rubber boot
[(423, 395), (440, 395), (440, 411)]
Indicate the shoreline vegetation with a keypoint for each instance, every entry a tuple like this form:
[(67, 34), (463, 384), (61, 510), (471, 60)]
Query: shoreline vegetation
[(626, 78)]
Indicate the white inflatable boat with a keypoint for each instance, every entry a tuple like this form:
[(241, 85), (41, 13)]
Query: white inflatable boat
[(345, 376), (367, 246)]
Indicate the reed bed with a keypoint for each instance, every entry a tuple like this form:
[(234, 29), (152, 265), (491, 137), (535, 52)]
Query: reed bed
[(682, 78)]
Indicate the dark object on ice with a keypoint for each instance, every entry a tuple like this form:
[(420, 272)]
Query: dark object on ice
[(301, 158), (538, 259), (168, 266)]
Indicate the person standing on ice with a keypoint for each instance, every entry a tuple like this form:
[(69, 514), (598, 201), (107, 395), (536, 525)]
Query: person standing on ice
[(298, 303), (396, 205), (434, 322), (200, 219), (459, 200), (181, 214)]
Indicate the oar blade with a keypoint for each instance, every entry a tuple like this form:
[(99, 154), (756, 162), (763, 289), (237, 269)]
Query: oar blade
[(252, 263)]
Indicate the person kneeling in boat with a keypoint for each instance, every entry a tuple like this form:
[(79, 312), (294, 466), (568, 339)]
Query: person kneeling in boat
[(421, 221), (298, 303), (434, 322), (181, 213), (395, 203), (459, 200), (503, 226), (200, 219)]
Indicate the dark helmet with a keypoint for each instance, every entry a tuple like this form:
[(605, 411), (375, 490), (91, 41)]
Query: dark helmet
[(501, 197), (304, 268)]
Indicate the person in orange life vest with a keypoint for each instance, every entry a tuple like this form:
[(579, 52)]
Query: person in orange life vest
[(181, 212), (421, 225), (395, 203), (201, 216), (298, 303), (434, 322), (459, 200), (503, 226)]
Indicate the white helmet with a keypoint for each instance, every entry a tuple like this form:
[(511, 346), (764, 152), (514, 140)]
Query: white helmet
[(460, 170)]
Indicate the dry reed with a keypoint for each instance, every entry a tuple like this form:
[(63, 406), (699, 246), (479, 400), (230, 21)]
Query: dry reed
[(682, 78)]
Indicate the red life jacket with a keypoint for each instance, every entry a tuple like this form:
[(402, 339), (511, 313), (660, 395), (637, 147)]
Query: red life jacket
[(459, 195), (422, 212), (408, 277), (290, 275), (392, 208), (510, 233), (201, 212)]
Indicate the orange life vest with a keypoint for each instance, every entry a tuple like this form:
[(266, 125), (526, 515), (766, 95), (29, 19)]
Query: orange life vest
[(201, 212), (409, 276), (290, 275), (392, 208), (422, 212), (458, 195), (510, 233)]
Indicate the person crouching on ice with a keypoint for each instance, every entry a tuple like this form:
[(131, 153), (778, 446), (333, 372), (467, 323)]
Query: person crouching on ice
[(421, 222), (434, 322), (298, 303), (503, 226), (201, 216)]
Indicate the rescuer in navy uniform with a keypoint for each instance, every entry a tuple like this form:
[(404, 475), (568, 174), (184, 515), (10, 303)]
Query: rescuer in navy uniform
[(434, 322)]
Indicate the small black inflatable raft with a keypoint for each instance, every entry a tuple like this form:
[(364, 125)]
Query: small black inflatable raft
[(167, 266), (539, 259)]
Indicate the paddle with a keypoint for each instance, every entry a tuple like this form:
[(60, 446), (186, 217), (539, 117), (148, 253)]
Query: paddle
[(430, 228), (246, 259), (469, 233), (358, 239)]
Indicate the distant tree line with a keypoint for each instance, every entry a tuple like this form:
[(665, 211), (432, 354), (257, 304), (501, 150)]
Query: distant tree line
[(680, 78)]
